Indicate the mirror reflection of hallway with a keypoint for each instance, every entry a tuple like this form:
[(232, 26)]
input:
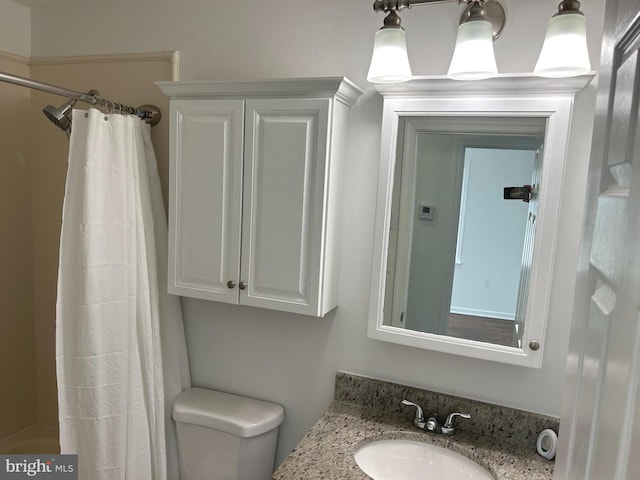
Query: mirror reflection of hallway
[(459, 253), (492, 265)]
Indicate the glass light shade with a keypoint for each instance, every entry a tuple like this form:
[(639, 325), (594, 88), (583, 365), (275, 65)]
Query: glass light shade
[(473, 57), (389, 62), (564, 52)]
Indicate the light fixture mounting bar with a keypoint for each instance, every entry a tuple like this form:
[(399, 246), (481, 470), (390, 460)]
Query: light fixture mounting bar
[(388, 5)]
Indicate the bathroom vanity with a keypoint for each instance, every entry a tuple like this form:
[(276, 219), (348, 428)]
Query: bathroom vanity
[(499, 439)]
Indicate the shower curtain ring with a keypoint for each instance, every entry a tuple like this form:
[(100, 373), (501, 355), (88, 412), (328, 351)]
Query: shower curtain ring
[(106, 107), (95, 97)]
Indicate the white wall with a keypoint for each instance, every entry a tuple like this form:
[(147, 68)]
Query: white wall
[(288, 358), (15, 28)]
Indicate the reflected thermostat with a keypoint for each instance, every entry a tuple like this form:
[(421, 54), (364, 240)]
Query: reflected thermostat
[(426, 212)]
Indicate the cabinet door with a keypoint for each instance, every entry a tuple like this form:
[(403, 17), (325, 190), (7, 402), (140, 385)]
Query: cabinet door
[(284, 203), (205, 198)]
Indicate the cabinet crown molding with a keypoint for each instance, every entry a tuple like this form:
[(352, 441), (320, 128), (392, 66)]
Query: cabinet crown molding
[(505, 85), (342, 88)]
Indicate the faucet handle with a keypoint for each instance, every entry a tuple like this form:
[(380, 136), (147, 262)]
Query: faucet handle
[(448, 427), (419, 420)]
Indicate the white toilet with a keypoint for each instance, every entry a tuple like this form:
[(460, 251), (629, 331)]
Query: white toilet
[(225, 437)]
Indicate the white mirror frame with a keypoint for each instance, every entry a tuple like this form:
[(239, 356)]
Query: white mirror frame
[(503, 96)]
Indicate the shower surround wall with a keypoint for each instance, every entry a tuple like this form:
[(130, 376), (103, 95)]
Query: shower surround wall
[(17, 332), (33, 154)]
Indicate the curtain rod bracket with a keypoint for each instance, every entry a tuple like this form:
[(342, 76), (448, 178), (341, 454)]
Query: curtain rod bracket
[(152, 114)]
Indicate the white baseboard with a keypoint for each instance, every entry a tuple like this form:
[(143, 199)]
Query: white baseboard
[(483, 313)]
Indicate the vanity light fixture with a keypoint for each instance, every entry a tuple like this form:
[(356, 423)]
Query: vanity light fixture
[(564, 52), (390, 62), (473, 57)]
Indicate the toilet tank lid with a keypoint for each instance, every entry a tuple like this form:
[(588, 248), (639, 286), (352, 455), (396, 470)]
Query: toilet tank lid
[(240, 416)]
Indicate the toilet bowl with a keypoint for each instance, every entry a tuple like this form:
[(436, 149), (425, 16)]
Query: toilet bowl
[(225, 437)]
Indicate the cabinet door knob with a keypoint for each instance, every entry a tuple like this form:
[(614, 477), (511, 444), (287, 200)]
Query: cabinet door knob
[(230, 284), (242, 285)]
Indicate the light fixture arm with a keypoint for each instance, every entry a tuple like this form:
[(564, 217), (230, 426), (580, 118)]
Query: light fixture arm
[(489, 10), (388, 5), (474, 12)]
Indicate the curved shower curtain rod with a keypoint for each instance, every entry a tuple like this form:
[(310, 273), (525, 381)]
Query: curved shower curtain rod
[(149, 113)]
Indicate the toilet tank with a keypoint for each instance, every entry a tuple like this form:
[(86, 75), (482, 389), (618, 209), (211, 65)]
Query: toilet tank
[(225, 437)]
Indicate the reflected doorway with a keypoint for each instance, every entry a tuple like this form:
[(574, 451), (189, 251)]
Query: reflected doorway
[(467, 250)]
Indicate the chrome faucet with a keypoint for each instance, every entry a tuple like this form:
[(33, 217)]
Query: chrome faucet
[(419, 420), (432, 424)]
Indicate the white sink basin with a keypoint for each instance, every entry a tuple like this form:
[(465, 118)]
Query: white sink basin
[(409, 460)]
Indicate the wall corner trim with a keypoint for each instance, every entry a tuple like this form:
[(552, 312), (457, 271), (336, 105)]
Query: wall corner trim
[(106, 58), (14, 58)]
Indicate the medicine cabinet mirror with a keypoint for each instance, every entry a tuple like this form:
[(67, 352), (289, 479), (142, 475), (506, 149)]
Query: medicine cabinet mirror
[(470, 181)]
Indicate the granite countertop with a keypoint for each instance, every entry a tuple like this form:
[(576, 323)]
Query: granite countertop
[(326, 452)]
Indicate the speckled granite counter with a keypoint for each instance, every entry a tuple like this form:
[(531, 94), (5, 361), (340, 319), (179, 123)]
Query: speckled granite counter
[(326, 452)]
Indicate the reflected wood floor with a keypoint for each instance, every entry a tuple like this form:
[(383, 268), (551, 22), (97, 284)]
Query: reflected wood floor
[(482, 329)]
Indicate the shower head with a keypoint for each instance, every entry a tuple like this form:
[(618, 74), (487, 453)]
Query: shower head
[(61, 115)]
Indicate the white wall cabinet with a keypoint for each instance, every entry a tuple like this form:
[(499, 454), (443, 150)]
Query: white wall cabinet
[(255, 186)]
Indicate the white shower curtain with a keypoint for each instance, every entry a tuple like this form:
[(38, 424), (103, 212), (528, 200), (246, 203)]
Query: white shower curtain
[(120, 348)]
